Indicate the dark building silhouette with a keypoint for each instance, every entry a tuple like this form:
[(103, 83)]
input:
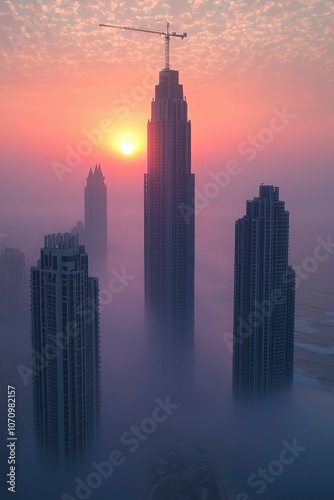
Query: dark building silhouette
[(12, 282), (169, 235), (79, 229), (264, 301), (65, 343), (96, 234)]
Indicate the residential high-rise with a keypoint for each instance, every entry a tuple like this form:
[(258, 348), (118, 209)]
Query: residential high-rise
[(66, 360), (169, 235), (96, 235), (264, 301), (12, 282)]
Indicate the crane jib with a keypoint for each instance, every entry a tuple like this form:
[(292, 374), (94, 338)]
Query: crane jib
[(167, 34)]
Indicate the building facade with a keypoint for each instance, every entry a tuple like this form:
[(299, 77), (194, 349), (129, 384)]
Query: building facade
[(66, 359), (169, 236), (96, 233), (264, 301)]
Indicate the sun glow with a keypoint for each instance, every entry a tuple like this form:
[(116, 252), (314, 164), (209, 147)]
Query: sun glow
[(126, 143), (127, 148)]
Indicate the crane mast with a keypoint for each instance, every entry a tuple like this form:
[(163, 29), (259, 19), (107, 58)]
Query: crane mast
[(167, 34)]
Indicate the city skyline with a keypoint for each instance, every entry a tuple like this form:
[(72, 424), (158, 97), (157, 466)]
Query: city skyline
[(76, 128), (258, 77)]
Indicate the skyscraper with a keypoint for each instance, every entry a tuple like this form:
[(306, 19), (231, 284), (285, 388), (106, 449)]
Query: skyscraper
[(169, 235), (65, 343), (264, 301), (12, 282), (96, 236)]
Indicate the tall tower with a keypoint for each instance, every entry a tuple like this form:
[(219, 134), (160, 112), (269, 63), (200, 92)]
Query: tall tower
[(264, 301), (65, 343), (12, 282), (169, 235), (96, 236)]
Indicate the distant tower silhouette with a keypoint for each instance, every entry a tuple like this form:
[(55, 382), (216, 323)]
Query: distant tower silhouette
[(79, 229), (12, 282), (65, 343), (169, 236), (96, 236), (264, 301)]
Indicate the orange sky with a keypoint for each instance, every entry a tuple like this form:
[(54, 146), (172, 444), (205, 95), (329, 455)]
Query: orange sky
[(65, 81)]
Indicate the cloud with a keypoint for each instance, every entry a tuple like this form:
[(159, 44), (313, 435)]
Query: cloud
[(231, 36)]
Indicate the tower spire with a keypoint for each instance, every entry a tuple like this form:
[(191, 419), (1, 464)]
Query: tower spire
[(90, 175)]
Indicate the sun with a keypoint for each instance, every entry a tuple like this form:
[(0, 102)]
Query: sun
[(126, 142), (127, 148)]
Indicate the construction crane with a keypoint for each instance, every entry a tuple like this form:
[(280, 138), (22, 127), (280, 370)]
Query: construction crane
[(167, 34)]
